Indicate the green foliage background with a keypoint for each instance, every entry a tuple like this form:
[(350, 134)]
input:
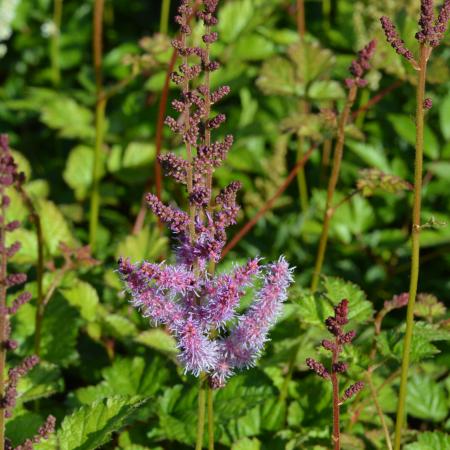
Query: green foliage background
[(111, 380)]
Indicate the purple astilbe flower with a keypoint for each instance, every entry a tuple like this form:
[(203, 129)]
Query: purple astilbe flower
[(9, 175), (194, 305), (198, 307)]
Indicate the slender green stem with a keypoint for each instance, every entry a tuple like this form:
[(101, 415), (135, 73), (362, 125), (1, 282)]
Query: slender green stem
[(40, 306), (325, 161), (97, 171), (415, 242), (164, 20), (373, 393), (40, 294), (100, 106), (55, 42), (326, 11), (337, 159), (210, 419), (201, 412), (3, 318), (301, 178)]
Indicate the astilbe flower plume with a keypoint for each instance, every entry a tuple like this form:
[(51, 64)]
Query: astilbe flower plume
[(9, 175), (199, 307)]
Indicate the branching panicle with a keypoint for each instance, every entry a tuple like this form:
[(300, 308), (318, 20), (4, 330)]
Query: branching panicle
[(198, 307)]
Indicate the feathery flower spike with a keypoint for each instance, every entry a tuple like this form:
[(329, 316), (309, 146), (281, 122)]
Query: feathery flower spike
[(199, 308)]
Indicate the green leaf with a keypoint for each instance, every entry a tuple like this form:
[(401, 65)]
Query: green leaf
[(55, 228), (119, 326), (435, 440), (426, 399), (23, 165), (138, 154), (252, 47), (234, 16), (325, 90), (336, 289), (247, 444), (177, 406), (43, 381), (311, 61), (66, 115), (84, 297), (277, 78), (27, 253), (312, 308), (78, 171), (147, 244), (91, 426), (390, 343), (59, 332), (440, 168), (158, 339), (58, 112), (241, 394), (404, 126), (134, 164), (127, 376), (24, 425)]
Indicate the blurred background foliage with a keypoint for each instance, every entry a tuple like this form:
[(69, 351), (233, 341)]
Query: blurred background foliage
[(104, 369)]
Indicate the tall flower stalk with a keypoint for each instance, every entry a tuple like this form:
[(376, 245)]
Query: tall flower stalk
[(335, 325), (430, 35), (198, 306), (100, 107), (9, 175), (357, 69), (55, 42)]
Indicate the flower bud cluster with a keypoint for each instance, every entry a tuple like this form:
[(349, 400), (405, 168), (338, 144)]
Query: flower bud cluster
[(431, 32), (335, 325), (9, 175), (361, 65)]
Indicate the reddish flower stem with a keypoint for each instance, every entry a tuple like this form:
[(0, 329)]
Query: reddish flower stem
[(336, 406), (3, 319)]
